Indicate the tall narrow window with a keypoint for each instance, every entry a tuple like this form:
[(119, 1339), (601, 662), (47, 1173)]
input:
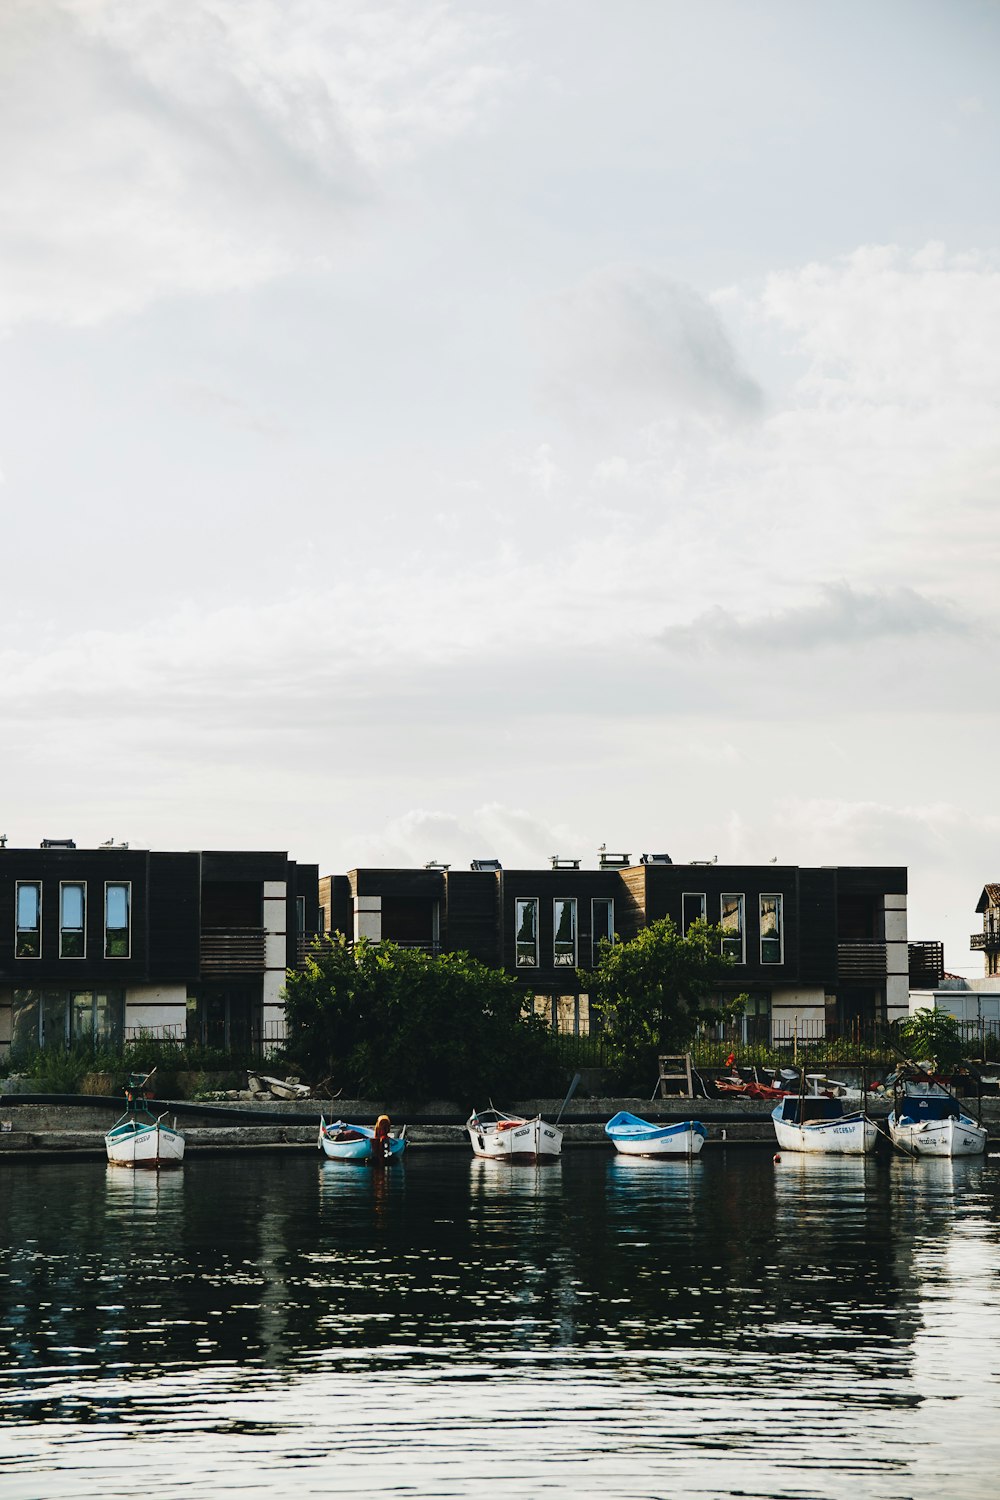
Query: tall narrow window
[(564, 932), (602, 913), (526, 933), (732, 926), (771, 930), (28, 938), (692, 910), (72, 919), (117, 934)]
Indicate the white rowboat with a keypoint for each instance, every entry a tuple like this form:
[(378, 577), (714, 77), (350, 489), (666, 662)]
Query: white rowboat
[(139, 1139), (503, 1137), (633, 1136)]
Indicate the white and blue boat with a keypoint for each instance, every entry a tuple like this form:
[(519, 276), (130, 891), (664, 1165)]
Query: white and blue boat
[(633, 1136), (817, 1123), (929, 1121), (140, 1138), (343, 1142)]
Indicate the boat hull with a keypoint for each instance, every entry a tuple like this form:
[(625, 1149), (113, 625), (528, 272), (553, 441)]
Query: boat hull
[(357, 1145), (149, 1146), (515, 1140), (632, 1136), (851, 1135), (950, 1137)]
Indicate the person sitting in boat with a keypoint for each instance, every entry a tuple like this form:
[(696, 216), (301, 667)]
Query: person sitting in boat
[(381, 1149)]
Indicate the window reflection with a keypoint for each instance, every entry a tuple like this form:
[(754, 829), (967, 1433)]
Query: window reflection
[(564, 932), (526, 933)]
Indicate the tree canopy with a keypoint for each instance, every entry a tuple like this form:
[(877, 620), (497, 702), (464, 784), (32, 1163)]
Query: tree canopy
[(932, 1035), (645, 993), (390, 1022)]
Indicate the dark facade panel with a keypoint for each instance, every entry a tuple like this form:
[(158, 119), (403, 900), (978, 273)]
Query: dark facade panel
[(372, 882), (872, 880), (174, 916), (95, 868), (471, 918), (243, 865), (818, 926)]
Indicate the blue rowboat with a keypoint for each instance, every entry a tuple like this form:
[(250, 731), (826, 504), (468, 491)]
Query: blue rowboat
[(633, 1136), (343, 1142)]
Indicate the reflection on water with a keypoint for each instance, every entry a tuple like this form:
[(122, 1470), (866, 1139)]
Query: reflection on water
[(711, 1327)]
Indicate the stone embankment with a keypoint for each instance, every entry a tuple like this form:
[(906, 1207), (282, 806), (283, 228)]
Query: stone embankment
[(37, 1125)]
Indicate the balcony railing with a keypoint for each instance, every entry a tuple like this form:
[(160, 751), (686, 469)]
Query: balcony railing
[(862, 963), (232, 950), (926, 963)]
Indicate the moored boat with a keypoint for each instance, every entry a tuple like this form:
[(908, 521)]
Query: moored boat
[(633, 1136), (139, 1138), (340, 1141), (503, 1137), (817, 1123), (928, 1120)]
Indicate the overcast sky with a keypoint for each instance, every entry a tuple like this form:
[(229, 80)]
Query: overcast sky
[(446, 430)]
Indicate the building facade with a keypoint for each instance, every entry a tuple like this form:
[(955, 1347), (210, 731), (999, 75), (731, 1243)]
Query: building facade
[(813, 948), (111, 942)]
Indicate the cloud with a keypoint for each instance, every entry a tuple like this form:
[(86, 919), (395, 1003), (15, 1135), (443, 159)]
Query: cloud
[(490, 831), (843, 618), (210, 146), (629, 338)]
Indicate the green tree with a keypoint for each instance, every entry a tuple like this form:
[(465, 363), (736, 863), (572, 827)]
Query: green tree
[(396, 1023), (932, 1034), (646, 992)]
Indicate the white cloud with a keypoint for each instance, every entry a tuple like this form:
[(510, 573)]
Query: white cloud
[(630, 341), (842, 619), (157, 149)]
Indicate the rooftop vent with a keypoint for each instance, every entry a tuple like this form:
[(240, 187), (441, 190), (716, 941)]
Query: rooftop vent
[(613, 861), (489, 866), (656, 859), (58, 843), (564, 864)]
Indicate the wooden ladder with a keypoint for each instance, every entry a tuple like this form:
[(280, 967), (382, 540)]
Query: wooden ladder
[(676, 1069)]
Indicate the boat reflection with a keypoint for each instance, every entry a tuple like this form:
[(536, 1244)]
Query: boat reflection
[(143, 1195), (503, 1178)]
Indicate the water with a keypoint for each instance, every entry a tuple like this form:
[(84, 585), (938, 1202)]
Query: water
[(279, 1326)]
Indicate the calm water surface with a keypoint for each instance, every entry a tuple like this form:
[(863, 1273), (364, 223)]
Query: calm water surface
[(278, 1326)]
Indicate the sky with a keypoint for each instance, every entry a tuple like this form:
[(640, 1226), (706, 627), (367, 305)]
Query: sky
[(436, 431)]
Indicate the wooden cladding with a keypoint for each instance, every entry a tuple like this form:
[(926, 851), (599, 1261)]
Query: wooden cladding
[(926, 964), (232, 950), (861, 963)]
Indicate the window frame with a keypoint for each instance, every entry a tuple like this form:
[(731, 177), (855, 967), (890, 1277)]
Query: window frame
[(779, 898), (81, 886), (36, 886), (701, 896), (520, 901), (125, 885), (595, 940), (740, 897), (561, 962)]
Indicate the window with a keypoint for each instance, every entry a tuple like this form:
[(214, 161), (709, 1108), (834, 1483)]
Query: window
[(72, 920), (602, 915), (52, 1018), (771, 930), (28, 943), (564, 932), (732, 926), (526, 933), (117, 934), (692, 910)]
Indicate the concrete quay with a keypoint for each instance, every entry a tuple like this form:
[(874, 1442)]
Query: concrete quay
[(40, 1126)]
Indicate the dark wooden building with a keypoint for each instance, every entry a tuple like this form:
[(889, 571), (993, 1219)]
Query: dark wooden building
[(812, 947), (112, 941)]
